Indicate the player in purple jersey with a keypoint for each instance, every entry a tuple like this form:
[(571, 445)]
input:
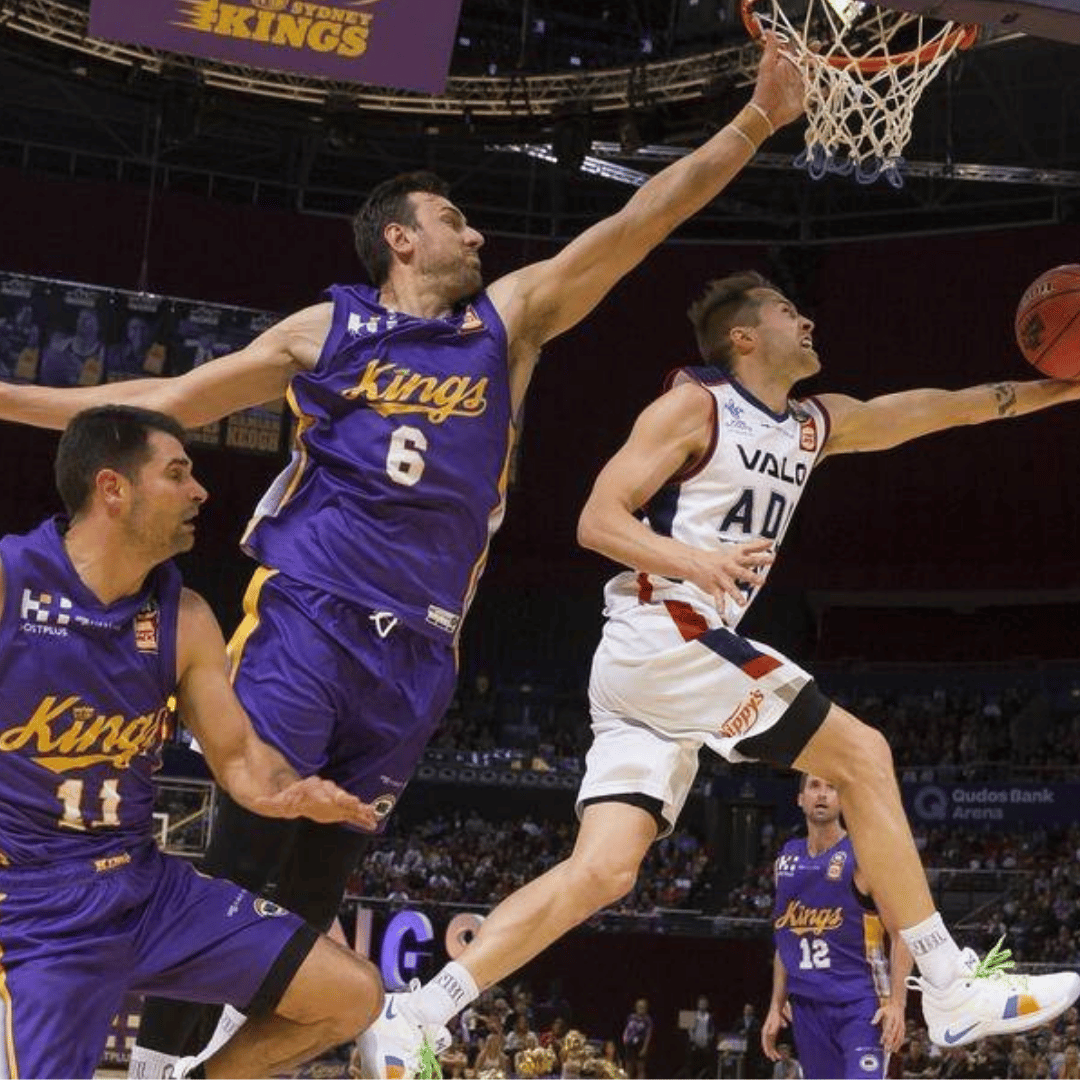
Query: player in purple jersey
[(708, 462), (831, 976), (373, 540), (97, 635)]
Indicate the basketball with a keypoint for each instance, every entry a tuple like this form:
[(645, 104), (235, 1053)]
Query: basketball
[(1048, 322)]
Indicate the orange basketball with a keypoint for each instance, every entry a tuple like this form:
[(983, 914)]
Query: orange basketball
[(1048, 322)]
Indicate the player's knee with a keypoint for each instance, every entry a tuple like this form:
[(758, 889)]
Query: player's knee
[(599, 882), (869, 761), (355, 1001)]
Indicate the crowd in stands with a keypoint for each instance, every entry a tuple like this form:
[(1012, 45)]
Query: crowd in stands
[(502, 1034), (1049, 1053), (950, 731), (460, 857)]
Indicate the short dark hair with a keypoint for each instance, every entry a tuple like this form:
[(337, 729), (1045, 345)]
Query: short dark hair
[(388, 203), (725, 303), (108, 437)]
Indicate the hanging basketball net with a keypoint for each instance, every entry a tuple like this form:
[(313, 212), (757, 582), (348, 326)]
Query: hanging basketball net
[(865, 68)]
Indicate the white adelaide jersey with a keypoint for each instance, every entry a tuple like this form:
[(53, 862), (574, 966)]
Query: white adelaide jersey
[(745, 487)]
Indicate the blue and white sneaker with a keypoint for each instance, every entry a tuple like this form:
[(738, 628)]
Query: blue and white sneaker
[(398, 1046), (986, 999)]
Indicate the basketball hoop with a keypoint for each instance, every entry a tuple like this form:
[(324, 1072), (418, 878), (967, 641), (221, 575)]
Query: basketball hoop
[(865, 68)]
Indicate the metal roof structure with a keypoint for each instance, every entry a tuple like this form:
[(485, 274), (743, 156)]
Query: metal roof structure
[(550, 116)]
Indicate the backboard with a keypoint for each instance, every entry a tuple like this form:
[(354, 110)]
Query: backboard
[(1057, 19)]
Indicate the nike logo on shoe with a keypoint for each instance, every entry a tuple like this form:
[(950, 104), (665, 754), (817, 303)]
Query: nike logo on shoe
[(953, 1037)]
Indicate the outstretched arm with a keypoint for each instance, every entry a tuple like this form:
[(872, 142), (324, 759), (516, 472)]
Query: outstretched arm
[(546, 298), (255, 374), (253, 773), (673, 432), (892, 419)]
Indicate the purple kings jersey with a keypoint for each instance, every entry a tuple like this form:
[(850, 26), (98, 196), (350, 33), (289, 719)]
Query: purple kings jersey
[(398, 477), (84, 692), (831, 946)]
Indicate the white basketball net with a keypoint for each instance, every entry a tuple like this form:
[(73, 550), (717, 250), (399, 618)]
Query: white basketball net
[(859, 120)]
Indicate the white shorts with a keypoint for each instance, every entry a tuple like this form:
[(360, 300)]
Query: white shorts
[(657, 695)]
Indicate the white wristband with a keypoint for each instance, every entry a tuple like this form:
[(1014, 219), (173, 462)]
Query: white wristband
[(764, 115)]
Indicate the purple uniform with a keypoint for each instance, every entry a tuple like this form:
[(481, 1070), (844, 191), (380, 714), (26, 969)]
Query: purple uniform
[(89, 909), (833, 951), (373, 539)]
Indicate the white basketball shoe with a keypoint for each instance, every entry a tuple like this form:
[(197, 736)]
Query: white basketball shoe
[(398, 1046), (986, 1000)]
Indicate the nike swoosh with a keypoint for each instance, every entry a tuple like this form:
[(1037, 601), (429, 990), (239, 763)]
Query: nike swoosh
[(954, 1037), (390, 1014)]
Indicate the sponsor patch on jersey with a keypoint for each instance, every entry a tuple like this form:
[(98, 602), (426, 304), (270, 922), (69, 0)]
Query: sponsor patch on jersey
[(807, 435), (382, 805), (471, 322), (443, 619), (744, 717), (786, 865), (732, 418), (111, 862), (870, 1063), (147, 622), (268, 909), (836, 866)]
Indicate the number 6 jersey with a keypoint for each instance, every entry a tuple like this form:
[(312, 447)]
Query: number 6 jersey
[(84, 691), (398, 477)]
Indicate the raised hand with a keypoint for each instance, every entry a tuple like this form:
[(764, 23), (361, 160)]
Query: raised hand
[(780, 89)]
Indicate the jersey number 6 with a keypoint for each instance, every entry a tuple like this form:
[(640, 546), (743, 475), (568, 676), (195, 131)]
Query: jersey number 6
[(405, 458)]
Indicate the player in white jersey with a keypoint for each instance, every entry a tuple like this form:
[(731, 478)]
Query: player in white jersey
[(717, 463)]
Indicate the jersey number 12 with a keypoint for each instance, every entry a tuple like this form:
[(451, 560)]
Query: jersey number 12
[(814, 954)]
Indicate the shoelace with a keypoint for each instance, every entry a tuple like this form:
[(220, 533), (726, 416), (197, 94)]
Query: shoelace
[(997, 964), (427, 1064)]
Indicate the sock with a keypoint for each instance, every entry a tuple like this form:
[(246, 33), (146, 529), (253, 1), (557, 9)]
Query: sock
[(446, 995), (149, 1064), (231, 1021), (935, 952)]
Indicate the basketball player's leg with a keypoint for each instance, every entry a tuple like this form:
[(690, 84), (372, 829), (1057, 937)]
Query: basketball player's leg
[(961, 1002), (855, 758), (635, 785), (302, 993), (332, 997), (611, 843), (251, 851), (312, 882)]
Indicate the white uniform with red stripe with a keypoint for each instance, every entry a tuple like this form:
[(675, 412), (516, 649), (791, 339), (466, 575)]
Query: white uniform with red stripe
[(670, 674)]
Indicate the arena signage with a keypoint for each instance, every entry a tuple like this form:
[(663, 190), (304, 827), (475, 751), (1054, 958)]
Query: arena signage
[(405, 945), (991, 804), (400, 43)]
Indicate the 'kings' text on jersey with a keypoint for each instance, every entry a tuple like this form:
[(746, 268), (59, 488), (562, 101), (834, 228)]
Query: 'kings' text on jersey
[(831, 944), (408, 421), (86, 704)]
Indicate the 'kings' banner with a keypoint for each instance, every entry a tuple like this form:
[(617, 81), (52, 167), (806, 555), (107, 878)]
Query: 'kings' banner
[(399, 43)]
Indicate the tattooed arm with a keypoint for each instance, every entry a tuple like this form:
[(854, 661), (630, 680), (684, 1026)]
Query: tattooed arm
[(892, 419)]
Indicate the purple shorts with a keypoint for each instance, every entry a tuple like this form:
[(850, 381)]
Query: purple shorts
[(838, 1040), (341, 691), (76, 938)]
